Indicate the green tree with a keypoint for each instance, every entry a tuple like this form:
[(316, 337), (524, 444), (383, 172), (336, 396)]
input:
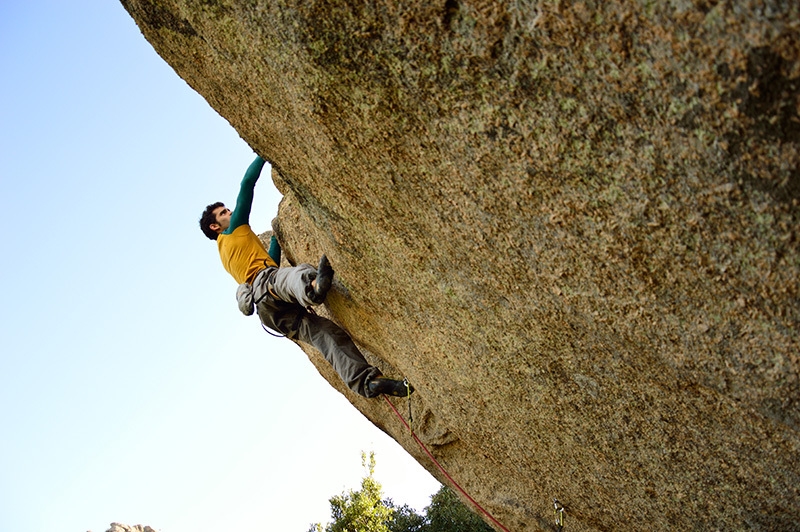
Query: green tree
[(405, 519), (447, 513), (359, 510), (364, 511)]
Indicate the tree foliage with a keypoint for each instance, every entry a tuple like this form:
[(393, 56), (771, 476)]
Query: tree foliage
[(360, 510), (364, 510), (405, 519), (447, 513)]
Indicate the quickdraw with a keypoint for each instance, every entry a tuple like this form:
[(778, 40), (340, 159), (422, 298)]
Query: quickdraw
[(558, 512), (410, 417)]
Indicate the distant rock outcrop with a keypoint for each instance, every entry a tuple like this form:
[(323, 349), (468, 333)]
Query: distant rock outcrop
[(118, 527), (573, 226)]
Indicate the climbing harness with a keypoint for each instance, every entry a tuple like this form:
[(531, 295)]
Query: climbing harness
[(442, 469), (558, 512), (276, 335)]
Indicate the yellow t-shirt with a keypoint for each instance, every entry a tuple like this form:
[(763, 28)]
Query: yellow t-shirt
[(243, 255)]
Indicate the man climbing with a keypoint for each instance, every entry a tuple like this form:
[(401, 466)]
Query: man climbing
[(283, 296)]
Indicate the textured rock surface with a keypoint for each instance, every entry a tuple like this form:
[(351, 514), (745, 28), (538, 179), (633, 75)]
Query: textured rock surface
[(573, 227)]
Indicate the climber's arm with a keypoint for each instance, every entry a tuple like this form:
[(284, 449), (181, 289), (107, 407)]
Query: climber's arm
[(241, 214), (275, 250)]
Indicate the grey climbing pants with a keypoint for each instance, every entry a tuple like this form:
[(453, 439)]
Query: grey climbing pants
[(287, 315), (293, 285)]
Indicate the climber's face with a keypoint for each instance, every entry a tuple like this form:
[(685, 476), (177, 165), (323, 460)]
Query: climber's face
[(223, 216)]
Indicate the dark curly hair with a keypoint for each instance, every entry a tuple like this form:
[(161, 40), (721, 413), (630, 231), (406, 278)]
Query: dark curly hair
[(208, 218)]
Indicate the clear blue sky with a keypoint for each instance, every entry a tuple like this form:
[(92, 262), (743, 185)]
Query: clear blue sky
[(131, 388)]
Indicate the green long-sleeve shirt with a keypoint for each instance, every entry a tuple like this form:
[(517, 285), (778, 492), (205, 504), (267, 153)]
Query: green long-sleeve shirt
[(244, 202)]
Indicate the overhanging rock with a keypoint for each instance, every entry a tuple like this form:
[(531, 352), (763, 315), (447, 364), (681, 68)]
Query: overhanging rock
[(573, 227)]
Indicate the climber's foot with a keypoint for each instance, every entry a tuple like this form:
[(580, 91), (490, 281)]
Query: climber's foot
[(382, 385), (323, 281)]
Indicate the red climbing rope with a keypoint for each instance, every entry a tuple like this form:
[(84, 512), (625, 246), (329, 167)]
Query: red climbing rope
[(445, 473)]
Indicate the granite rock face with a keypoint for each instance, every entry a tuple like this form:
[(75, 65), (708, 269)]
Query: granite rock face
[(573, 227)]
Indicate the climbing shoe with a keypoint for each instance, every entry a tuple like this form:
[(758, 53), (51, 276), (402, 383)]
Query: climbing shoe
[(324, 280), (382, 385)]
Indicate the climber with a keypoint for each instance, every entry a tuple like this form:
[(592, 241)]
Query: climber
[(283, 296)]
